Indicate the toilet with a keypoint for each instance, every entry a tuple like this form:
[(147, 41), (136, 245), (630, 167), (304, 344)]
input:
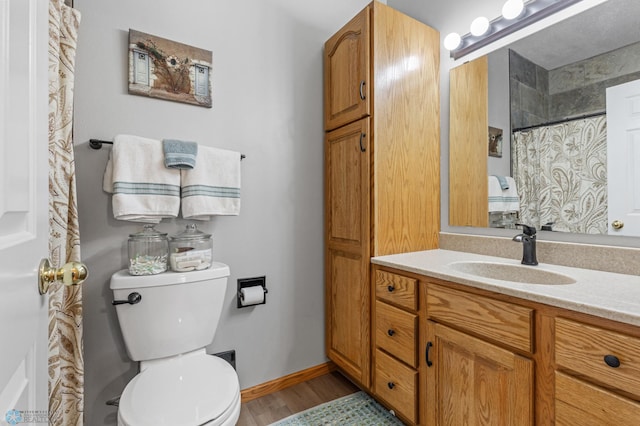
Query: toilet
[(167, 320)]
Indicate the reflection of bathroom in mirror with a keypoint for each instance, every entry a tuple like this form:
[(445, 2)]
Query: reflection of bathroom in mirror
[(565, 99)]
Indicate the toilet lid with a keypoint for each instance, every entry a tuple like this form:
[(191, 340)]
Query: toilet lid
[(186, 391)]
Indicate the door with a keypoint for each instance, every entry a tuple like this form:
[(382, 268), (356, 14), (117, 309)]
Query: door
[(472, 382), (346, 73), (623, 158), (348, 295), (23, 209)]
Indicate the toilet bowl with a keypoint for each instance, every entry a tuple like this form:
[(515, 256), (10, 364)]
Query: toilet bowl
[(195, 389), (166, 327)]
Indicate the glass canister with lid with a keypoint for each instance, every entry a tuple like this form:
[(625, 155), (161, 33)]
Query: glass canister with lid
[(148, 251), (190, 250)]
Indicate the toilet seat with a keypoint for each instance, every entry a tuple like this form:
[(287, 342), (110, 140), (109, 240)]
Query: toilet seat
[(185, 391)]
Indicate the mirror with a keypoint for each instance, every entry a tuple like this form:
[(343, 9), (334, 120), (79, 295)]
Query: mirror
[(551, 89)]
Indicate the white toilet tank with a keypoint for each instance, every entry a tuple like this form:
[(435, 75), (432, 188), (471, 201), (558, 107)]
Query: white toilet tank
[(178, 311)]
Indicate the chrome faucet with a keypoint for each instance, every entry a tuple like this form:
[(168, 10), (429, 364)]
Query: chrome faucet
[(528, 240)]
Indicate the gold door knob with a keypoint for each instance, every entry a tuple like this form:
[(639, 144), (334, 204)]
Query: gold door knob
[(617, 224), (72, 273)]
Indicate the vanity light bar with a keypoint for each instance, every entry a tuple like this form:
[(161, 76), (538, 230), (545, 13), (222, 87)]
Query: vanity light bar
[(532, 11)]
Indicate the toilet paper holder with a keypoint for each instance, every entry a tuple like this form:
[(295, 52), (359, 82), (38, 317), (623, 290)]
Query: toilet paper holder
[(251, 282)]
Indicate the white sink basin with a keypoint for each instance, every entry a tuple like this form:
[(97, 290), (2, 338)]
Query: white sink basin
[(510, 272)]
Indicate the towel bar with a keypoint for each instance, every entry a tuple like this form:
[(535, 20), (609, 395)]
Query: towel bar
[(97, 144)]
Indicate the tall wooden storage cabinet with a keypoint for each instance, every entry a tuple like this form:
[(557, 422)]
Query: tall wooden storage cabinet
[(382, 170), (469, 112)]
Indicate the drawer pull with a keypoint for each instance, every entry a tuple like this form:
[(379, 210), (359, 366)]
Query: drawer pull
[(391, 385), (426, 354), (390, 288), (612, 361), (391, 332)]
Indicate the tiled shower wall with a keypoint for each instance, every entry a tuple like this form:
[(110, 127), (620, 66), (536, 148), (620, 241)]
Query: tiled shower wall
[(539, 96), (529, 92), (580, 88)]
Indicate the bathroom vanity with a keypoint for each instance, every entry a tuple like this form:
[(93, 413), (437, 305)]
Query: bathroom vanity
[(453, 347), (450, 337)]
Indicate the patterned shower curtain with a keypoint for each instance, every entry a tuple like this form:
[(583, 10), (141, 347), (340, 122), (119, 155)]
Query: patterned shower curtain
[(66, 364), (561, 174)]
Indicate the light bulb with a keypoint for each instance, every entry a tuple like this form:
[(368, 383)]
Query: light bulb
[(479, 26), (452, 41), (512, 9)]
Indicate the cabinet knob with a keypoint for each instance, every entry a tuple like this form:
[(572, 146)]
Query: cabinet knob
[(391, 385), (612, 361), (390, 288), (391, 332)]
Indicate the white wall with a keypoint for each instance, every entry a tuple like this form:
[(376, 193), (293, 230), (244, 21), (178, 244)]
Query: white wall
[(267, 104), (500, 110)]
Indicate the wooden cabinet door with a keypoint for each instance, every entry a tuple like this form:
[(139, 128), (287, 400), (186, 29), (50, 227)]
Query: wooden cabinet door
[(472, 382), (347, 314), (346, 73), (348, 293), (469, 112), (347, 187)]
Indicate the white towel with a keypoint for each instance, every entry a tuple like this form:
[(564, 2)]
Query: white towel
[(143, 189), (503, 200), (213, 186)]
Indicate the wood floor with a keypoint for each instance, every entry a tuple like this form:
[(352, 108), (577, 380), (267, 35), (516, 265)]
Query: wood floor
[(281, 404)]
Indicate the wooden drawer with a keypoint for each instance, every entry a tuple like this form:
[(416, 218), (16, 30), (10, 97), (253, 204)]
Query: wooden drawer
[(582, 348), (500, 321), (580, 403), (396, 332), (396, 384), (397, 289)]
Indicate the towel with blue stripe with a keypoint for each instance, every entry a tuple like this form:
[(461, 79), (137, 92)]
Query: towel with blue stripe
[(502, 180), (143, 189), (179, 154), (212, 188), (503, 197)]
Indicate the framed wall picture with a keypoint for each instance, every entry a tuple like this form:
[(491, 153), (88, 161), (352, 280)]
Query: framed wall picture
[(165, 69), (495, 142)]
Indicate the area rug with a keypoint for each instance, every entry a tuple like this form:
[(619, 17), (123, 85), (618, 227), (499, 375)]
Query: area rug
[(357, 409)]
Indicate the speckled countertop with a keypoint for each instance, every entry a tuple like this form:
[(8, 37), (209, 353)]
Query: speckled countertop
[(604, 294)]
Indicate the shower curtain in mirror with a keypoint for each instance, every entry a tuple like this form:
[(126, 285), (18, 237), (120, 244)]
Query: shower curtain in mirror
[(66, 365), (561, 175)]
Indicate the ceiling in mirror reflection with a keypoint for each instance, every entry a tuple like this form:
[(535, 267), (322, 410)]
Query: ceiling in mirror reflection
[(608, 26)]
